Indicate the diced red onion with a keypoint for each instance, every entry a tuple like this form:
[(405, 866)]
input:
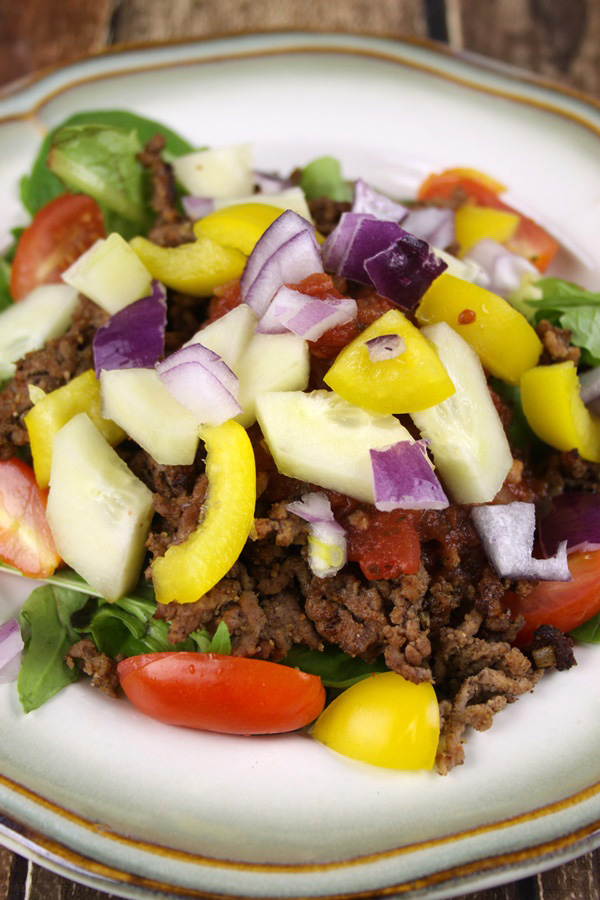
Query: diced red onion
[(505, 270), (201, 392), (327, 544), (197, 207), (286, 226), (134, 338), (506, 532), (590, 389), (403, 478), (294, 260), (368, 200), (371, 237), (573, 517), (436, 226), (11, 646), (403, 272), (308, 317), (270, 183), (336, 246), (386, 346), (197, 353)]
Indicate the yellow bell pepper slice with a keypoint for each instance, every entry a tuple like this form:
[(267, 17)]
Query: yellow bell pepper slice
[(188, 570), (474, 223), (551, 400), (505, 341), (196, 268), (239, 226), (55, 409), (415, 379), (383, 720)]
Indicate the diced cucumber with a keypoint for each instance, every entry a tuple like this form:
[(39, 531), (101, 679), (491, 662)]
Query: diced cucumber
[(138, 401), (98, 511), (467, 269), (272, 362), (292, 198), (221, 172), (43, 314), (110, 273), (468, 442), (230, 335), (321, 439)]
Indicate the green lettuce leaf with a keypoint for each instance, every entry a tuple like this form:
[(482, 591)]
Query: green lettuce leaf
[(570, 306), (323, 178), (336, 668), (589, 632)]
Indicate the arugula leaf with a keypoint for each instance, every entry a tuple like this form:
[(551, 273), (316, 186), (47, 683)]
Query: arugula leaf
[(589, 632), (42, 185), (45, 621), (570, 306), (323, 178), (336, 668), (67, 578)]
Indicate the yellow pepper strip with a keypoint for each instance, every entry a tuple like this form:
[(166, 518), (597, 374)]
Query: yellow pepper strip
[(506, 343), (188, 570), (481, 177), (55, 409), (415, 379), (474, 223), (550, 396), (196, 268), (238, 226), (383, 720)]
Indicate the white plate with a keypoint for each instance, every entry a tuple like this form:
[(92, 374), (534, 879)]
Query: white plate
[(99, 793)]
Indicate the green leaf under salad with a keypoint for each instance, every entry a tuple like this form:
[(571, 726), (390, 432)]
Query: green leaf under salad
[(570, 306), (589, 632), (323, 178), (336, 668)]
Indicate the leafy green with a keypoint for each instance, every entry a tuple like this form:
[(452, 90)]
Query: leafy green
[(45, 621), (336, 668), (5, 295), (570, 306), (589, 632), (42, 185), (323, 178), (67, 578)]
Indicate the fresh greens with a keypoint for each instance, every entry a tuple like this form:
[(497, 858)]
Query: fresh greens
[(5, 295), (45, 621), (589, 632), (323, 178), (336, 668), (569, 306)]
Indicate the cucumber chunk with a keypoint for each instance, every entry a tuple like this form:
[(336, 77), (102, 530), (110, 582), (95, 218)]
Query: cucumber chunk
[(220, 172), (138, 401), (228, 336), (322, 439), (110, 273), (98, 511), (272, 362), (45, 313), (468, 442)]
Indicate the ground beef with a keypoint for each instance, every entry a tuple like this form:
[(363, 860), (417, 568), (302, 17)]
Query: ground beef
[(327, 213), (552, 648), (557, 344), (568, 472), (49, 368), (171, 227), (101, 668)]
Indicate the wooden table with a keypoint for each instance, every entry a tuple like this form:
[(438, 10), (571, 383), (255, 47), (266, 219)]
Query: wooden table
[(556, 38)]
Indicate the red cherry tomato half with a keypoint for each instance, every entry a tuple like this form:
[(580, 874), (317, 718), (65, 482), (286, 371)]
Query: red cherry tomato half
[(25, 538), (60, 232), (228, 694), (564, 604)]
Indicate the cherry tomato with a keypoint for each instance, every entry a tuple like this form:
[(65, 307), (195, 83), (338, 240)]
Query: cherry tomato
[(228, 694), (226, 298), (25, 538), (388, 547), (530, 239), (60, 232), (564, 604)]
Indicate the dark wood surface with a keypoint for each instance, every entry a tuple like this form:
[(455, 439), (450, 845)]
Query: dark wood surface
[(559, 39)]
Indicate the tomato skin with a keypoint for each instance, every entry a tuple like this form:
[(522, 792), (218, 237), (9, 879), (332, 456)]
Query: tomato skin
[(59, 233), (388, 547), (26, 541), (226, 694), (564, 604)]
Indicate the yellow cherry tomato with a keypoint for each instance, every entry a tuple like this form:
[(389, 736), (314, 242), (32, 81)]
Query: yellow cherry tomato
[(383, 720), (551, 400), (506, 343), (415, 379), (474, 223), (188, 570), (239, 226), (196, 268), (55, 409)]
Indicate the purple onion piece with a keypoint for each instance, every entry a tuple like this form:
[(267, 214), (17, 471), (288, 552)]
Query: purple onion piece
[(11, 645), (327, 544), (292, 261), (336, 246), (590, 390), (201, 392), (573, 517), (368, 200), (197, 353), (288, 225), (436, 226), (134, 338), (308, 317), (313, 508), (386, 346), (370, 238), (197, 207), (403, 478), (506, 532), (270, 182), (403, 272), (505, 270)]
